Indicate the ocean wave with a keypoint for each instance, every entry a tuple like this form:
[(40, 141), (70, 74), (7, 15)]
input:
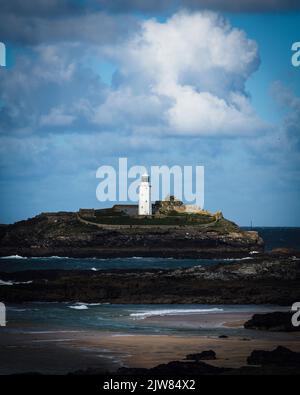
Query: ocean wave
[(70, 257), (49, 331), (13, 257), (164, 312), (50, 257), (14, 283), (6, 282), (84, 306), (34, 257), (246, 258), (58, 257), (79, 307)]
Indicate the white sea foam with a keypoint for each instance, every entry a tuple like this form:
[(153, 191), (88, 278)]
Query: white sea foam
[(50, 257), (42, 332), (14, 283), (84, 306), (246, 258), (13, 257), (79, 307), (164, 312), (6, 282), (58, 257), (68, 257), (94, 269)]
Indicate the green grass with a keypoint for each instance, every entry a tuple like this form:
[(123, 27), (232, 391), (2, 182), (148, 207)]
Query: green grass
[(182, 219), (224, 226)]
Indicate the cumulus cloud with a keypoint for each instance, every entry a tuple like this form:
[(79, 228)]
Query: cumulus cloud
[(192, 70), (185, 76), (48, 89)]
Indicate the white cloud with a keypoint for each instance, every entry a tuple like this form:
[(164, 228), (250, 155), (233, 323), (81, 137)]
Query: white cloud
[(196, 65), (56, 117), (128, 109), (49, 87), (184, 77)]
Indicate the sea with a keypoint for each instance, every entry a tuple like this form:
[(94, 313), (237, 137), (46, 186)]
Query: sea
[(38, 317), (129, 319)]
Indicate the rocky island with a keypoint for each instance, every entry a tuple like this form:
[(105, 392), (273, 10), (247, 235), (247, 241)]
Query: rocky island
[(174, 230)]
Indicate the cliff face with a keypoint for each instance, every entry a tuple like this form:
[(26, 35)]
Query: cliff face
[(67, 234)]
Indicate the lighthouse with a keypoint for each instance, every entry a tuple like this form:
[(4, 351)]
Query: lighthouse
[(145, 205)]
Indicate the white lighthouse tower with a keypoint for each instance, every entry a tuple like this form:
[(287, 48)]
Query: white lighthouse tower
[(145, 205)]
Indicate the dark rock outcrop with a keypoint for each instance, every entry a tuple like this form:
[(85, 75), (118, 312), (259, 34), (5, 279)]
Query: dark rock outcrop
[(273, 281), (276, 321), (176, 368), (280, 361), (202, 356), (281, 356), (68, 234)]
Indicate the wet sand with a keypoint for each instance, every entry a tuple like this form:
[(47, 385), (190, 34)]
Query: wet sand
[(148, 351), (201, 321), (66, 351)]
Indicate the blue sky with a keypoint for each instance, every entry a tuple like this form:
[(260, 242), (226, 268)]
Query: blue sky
[(274, 34), (179, 85)]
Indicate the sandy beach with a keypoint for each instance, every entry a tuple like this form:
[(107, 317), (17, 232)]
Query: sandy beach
[(61, 352), (209, 320)]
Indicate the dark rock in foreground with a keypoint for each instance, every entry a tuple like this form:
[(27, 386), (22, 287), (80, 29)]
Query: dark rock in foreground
[(281, 356), (176, 368), (277, 321), (204, 355), (280, 361)]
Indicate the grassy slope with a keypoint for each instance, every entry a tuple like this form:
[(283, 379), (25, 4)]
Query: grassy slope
[(112, 217)]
